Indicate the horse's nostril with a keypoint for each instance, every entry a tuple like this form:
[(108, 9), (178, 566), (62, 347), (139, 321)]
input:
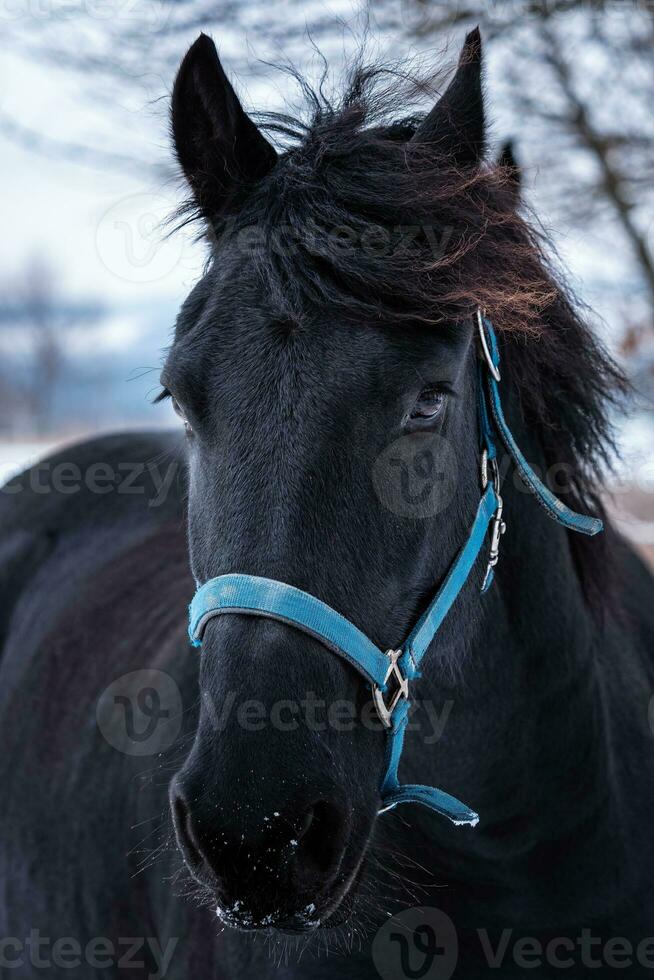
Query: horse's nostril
[(184, 830), (321, 839), (307, 820)]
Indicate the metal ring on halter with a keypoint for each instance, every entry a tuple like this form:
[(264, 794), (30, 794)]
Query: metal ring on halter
[(490, 464), (494, 370)]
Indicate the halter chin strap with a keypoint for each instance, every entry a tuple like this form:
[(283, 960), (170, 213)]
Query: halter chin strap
[(390, 673)]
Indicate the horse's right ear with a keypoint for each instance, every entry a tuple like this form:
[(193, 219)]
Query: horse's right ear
[(219, 148)]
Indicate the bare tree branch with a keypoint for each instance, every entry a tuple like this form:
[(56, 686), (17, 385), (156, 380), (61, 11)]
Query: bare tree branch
[(596, 143)]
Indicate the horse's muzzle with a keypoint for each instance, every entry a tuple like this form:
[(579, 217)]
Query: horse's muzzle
[(287, 870)]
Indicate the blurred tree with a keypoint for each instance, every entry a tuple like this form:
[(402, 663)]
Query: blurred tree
[(577, 78), (46, 355), (573, 79), (11, 402), (33, 368)]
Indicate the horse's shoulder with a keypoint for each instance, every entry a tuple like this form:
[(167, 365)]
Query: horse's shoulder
[(72, 511), (107, 477)]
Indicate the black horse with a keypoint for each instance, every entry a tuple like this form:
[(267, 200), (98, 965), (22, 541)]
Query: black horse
[(326, 368)]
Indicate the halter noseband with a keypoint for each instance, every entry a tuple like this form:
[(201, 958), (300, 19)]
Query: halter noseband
[(390, 673)]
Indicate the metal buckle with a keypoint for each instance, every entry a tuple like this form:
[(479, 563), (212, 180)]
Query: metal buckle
[(498, 525), (385, 711), (498, 528), (495, 371)]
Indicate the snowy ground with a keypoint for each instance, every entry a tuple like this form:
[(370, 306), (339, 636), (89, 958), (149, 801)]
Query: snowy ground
[(17, 456)]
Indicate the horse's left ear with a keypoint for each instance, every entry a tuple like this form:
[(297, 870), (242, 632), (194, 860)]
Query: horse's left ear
[(455, 125), (220, 149)]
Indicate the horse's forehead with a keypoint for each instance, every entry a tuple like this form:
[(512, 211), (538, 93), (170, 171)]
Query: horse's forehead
[(247, 330), (256, 327), (312, 353)]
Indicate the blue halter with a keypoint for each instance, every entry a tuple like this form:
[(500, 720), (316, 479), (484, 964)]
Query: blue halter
[(389, 673)]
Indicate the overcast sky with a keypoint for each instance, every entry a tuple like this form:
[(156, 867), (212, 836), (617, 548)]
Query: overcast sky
[(101, 229)]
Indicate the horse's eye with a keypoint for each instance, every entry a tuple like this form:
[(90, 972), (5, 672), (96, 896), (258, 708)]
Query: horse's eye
[(177, 408), (429, 404)]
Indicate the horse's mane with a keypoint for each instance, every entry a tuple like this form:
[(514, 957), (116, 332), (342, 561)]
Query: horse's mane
[(350, 167)]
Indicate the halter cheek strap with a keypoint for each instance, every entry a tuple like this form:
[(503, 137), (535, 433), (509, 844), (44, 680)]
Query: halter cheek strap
[(390, 673)]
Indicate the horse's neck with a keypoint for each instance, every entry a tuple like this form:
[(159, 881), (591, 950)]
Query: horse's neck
[(523, 739), (534, 676)]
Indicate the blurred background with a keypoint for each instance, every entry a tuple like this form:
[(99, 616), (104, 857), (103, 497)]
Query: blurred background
[(91, 278)]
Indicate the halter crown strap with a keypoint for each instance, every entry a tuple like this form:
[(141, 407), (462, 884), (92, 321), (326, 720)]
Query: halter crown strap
[(389, 673)]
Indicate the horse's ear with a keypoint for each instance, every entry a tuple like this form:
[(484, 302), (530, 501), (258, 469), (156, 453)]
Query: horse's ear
[(456, 123), (508, 163), (218, 146)]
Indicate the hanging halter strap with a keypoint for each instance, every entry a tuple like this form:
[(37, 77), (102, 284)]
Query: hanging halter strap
[(390, 673)]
